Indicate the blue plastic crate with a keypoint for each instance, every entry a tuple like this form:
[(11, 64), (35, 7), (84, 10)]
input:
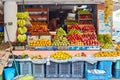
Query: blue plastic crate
[(107, 66), (64, 70), (38, 70), (77, 69), (52, 70), (91, 76), (117, 64), (116, 73), (25, 68), (89, 66)]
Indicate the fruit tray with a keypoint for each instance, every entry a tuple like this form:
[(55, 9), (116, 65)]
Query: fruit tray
[(59, 61), (46, 48)]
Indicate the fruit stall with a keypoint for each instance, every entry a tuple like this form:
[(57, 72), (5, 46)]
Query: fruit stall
[(84, 49)]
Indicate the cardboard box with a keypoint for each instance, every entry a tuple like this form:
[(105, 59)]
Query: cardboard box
[(31, 38), (48, 37)]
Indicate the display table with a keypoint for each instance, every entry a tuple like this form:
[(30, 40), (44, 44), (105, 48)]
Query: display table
[(45, 54)]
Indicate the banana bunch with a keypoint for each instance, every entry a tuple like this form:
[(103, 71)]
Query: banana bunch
[(108, 9), (22, 15), (21, 22), (22, 30), (21, 37)]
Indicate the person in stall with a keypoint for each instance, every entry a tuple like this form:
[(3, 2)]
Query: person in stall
[(53, 24)]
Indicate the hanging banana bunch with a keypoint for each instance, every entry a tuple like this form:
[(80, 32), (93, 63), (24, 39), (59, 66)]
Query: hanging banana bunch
[(108, 10), (23, 20)]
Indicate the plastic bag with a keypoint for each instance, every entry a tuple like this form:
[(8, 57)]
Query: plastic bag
[(9, 73)]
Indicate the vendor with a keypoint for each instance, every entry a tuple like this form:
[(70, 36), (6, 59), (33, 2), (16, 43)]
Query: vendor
[(53, 24)]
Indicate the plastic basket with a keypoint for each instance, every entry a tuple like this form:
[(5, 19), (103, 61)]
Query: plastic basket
[(106, 66), (17, 65), (117, 64), (89, 66), (25, 68), (38, 70), (77, 69), (90, 76), (64, 70), (52, 70), (116, 73)]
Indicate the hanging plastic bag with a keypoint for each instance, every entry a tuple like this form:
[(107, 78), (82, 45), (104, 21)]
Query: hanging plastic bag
[(9, 73)]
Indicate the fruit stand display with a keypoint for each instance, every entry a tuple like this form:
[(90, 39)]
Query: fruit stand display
[(65, 54)]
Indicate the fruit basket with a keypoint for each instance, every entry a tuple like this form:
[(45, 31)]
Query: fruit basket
[(60, 57)]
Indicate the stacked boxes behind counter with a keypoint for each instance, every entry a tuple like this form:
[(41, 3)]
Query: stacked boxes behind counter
[(116, 69), (64, 70), (89, 66), (106, 66), (38, 70), (25, 68), (52, 70), (77, 69)]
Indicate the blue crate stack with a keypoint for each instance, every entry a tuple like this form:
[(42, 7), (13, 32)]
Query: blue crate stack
[(107, 66), (52, 70), (77, 69), (38, 70), (65, 70)]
